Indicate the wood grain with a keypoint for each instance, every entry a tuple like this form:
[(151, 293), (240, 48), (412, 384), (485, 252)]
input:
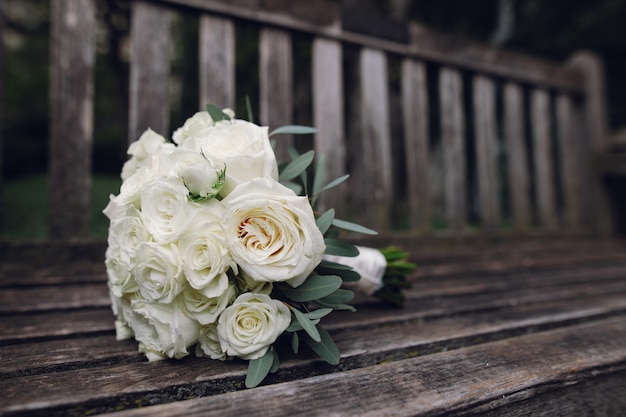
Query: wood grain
[(72, 56), (149, 70), (217, 61)]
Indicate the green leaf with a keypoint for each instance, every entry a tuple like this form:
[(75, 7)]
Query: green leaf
[(275, 362), (318, 178), (249, 110), (339, 248), (316, 286), (343, 307), (294, 326), (325, 220), (294, 130), (307, 325), (318, 314), (296, 188), (325, 348), (340, 296), (335, 182), (347, 273), (353, 227), (259, 368), (216, 113), (295, 342), (297, 166)]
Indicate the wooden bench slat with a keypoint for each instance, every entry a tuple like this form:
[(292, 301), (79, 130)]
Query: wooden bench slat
[(486, 152), (217, 61), (542, 157), (471, 380), (453, 142), (276, 85), (149, 70), (328, 119), (362, 346), (415, 108), (372, 188)]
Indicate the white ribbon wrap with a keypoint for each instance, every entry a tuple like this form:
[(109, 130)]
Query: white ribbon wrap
[(370, 263)]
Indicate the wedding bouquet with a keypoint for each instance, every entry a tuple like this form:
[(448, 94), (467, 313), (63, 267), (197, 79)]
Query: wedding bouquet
[(212, 251)]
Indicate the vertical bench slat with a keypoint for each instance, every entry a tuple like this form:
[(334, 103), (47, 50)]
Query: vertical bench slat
[(2, 98), (542, 147), (453, 142), (517, 162), (373, 184), (416, 127), (327, 78), (71, 116), (276, 84), (149, 70), (569, 155), (217, 61), (486, 151)]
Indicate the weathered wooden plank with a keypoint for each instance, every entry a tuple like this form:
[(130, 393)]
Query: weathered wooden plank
[(217, 61), (469, 380), (517, 163), (43, 298), (416, 140), (542, 157), (453, 142), (569, 153), (71, 117), (276, 85), (149, 70), (596, 126), (328, 118), (372, 187), (485, 127)]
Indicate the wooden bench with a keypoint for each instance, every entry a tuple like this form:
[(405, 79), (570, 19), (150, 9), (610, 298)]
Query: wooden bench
[(518, 305)]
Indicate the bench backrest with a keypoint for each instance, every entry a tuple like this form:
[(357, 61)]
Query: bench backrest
[(439, 134)]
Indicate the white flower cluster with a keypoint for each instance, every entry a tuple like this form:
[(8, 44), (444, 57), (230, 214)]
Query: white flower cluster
[(200, 231)]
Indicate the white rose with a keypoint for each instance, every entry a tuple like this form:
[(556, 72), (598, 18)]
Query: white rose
[(271, 232), (162, 330), (242, 147), (121, 280), (206, 258), (209, 343), (119, 305), (251, 324), (149, 144), (126, 233), (165, 208), (206, 310), (159, 273), (198, 174), (196, 124)]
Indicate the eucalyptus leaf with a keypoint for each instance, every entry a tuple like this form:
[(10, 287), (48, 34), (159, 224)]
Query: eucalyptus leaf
[(339, 248), (353, 227), (294, 326), (318, 314), (307, 324), (325, 348), (335, 182), (340, 296), (216, 113), (275, 362), (297, 166), (346, 272), (342, 307), (249, 110), (325, 220), (259, 368), (316, 286), (293, 130), (295, 342)]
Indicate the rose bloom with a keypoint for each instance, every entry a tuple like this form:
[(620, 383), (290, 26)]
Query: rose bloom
[(206, 257), (251, 324), (165, 208), (149, 145), (162, 330), (196, 124), (203, 309), (271, 232), (159, 273), (209, 343), (197, 172), (242, 147)]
